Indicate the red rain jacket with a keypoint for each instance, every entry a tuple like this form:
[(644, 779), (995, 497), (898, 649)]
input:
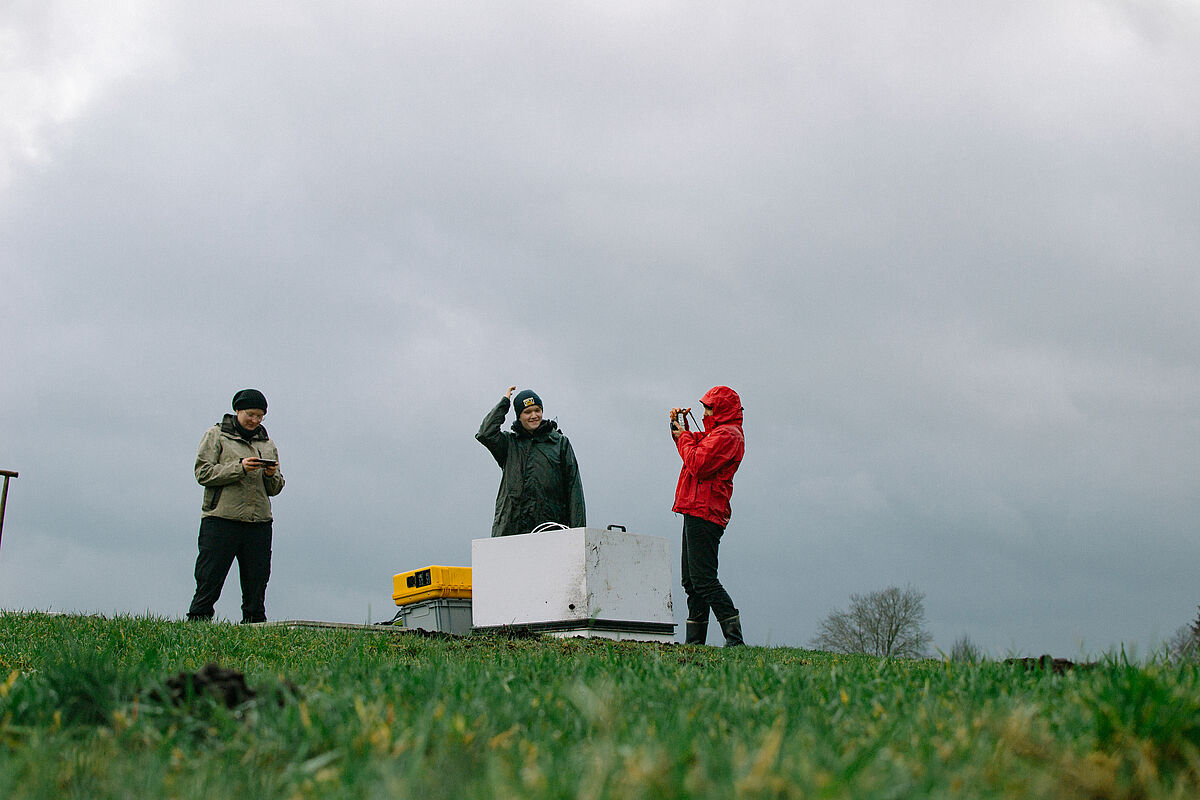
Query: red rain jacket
[(710, 458)]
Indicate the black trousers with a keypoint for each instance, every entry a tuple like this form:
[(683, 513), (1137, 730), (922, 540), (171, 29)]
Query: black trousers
[(698, 568), (221, 541)]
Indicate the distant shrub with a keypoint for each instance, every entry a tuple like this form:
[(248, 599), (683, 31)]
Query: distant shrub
[(967, 651)]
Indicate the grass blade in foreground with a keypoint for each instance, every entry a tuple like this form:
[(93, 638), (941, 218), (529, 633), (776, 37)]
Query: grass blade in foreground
[(84, 713)]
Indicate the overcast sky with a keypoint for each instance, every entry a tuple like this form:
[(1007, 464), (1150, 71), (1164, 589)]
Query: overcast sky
[(947, 253)]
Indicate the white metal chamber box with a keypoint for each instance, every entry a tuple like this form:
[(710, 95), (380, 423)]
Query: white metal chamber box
[(574, 582)]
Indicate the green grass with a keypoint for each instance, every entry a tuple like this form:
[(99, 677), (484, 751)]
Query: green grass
[(378, 715)]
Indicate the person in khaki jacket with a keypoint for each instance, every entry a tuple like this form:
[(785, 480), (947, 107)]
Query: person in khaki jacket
[(238, 466)]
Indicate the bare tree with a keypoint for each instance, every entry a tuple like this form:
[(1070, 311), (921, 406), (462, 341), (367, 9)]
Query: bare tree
[(1184, 644), (889, 623)]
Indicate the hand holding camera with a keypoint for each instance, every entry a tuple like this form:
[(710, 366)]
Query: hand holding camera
[(679, 422), (251, 463)]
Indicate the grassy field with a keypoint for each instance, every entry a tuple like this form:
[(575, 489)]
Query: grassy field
[(84, 713)]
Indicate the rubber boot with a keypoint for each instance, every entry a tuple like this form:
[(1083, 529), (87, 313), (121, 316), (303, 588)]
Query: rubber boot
[(732, 628), (697, 632)]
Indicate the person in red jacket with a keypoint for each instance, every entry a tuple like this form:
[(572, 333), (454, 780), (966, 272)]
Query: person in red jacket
[(710, 458)]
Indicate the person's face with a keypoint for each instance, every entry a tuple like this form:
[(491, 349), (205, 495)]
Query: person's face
[(708, 412), (531, 418), (250, 418)]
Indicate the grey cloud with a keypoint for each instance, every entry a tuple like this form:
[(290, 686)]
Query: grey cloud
[(945, 254)]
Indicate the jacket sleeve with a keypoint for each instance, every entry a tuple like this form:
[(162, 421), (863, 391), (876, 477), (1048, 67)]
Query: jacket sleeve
[(490, 435), (209, 469), (273, 484), (576, 510), (705, 454)]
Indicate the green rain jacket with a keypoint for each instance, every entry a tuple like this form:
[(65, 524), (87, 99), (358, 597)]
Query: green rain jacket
[(229, 491), (541, 477)]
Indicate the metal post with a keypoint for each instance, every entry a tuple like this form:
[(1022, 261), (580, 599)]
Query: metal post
[(4, 496)]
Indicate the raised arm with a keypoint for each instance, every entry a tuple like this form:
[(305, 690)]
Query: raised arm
[(490, 435)]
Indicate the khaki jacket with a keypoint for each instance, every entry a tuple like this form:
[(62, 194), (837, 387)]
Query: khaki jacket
[(229, 491)]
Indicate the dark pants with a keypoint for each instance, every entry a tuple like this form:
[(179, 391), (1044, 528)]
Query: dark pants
[(701, 540), (221, 541)]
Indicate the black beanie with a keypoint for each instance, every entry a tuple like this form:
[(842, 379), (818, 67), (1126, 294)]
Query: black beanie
[(526, 398), (249, 398)]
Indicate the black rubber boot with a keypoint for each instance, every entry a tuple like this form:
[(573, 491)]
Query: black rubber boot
[(697, 632), (732, 628)]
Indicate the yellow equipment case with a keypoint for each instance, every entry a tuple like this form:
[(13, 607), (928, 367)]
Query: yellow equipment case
[(431, 583)]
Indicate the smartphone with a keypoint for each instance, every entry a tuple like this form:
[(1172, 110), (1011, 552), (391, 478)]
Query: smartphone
[(266, 462)]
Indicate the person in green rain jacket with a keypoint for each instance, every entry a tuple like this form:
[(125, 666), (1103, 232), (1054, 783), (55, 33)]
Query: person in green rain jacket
[(540, 481)]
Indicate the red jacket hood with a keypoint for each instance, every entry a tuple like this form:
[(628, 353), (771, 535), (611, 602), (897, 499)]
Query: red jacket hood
[(726, 405)]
